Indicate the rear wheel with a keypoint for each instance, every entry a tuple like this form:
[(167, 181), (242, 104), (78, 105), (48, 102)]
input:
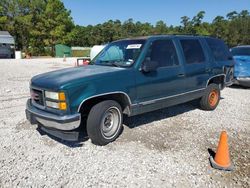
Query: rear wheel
[(104, 122), (211, 98)]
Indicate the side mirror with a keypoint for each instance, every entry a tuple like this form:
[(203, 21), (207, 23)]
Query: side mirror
[(149, 66)]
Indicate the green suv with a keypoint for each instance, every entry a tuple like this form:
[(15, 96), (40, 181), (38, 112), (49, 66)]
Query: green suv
[(130, 76)]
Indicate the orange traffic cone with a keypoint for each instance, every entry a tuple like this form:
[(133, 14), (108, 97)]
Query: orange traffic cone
[(222, 157)]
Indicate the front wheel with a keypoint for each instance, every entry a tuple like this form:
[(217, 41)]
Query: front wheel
[(211, 98), (104, 122)]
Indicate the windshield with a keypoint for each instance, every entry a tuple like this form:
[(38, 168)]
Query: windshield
[(241, 51), (121, 53)]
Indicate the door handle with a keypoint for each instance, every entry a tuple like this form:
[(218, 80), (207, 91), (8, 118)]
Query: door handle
[(181, 75)]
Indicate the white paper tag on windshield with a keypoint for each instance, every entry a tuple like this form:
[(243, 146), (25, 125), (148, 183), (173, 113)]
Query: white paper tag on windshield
[(134, 46)]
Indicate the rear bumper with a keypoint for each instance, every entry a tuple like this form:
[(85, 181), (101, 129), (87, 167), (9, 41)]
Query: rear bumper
[(243, 81), (58, 126)]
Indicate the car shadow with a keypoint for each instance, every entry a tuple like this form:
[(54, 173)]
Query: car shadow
[(83, 137), (211, 152), (140, 120), (238, 87), (133, 122)]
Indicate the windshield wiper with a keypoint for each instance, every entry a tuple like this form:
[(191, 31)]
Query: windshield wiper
[(115, 63)]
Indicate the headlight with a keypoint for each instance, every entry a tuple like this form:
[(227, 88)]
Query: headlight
[(55, 95), (57, 105), (60, 100)]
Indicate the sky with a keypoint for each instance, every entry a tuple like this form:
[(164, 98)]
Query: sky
[(92, 12)]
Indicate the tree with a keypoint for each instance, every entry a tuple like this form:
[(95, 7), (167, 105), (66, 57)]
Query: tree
[(239, 29), (185, 21), (197, 26), (38, 25), (108, 31), (160, 27), (128, 28), (219, 27), (232, 15), (16, 19), (3, 16), (187, 25), (244, 14), (35, 23), (143, 29), (197, 20), (57, 23)]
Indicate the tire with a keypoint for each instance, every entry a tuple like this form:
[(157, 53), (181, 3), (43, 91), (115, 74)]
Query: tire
[(104, 122), (211, 98)]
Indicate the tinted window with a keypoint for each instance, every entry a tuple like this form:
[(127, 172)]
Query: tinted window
[(192, 51), (219, 49), (163, 51), (241, 51)]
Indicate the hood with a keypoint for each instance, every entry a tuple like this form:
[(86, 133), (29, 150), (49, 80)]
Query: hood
[(242, 66), (56, 80)]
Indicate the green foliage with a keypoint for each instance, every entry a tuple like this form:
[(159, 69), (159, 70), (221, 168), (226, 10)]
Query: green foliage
[(57, 23), (235, 30), (38, 25)]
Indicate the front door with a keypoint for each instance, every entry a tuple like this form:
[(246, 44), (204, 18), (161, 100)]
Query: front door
[(167, 80)]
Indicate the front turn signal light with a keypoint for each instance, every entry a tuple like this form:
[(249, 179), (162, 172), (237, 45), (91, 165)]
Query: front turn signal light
[(62, 106)]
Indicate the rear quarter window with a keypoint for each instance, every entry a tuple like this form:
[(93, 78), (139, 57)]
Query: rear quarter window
[(219, 49)]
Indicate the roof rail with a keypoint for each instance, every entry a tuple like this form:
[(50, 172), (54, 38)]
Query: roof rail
[(188, 34)]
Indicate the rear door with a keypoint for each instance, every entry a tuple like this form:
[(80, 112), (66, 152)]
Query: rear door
[(196, 63)]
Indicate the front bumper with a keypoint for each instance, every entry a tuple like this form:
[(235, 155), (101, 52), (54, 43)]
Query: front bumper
[(243, 81), (55, 125)]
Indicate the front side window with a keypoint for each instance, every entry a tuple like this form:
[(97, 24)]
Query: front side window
[(163, 52), (241, 51), (192, 51), (120, 53)]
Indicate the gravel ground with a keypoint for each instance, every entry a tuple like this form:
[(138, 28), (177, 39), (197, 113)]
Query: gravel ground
[(165, 148)]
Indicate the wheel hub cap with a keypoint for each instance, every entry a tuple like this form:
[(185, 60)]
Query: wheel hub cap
[(213, 98), (111, 122)]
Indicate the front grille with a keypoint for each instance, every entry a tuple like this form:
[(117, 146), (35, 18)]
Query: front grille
[(37, 96)]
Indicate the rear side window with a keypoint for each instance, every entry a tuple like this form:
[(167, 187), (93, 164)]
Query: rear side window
[(219, 49), (163, 51), (192, 51)]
